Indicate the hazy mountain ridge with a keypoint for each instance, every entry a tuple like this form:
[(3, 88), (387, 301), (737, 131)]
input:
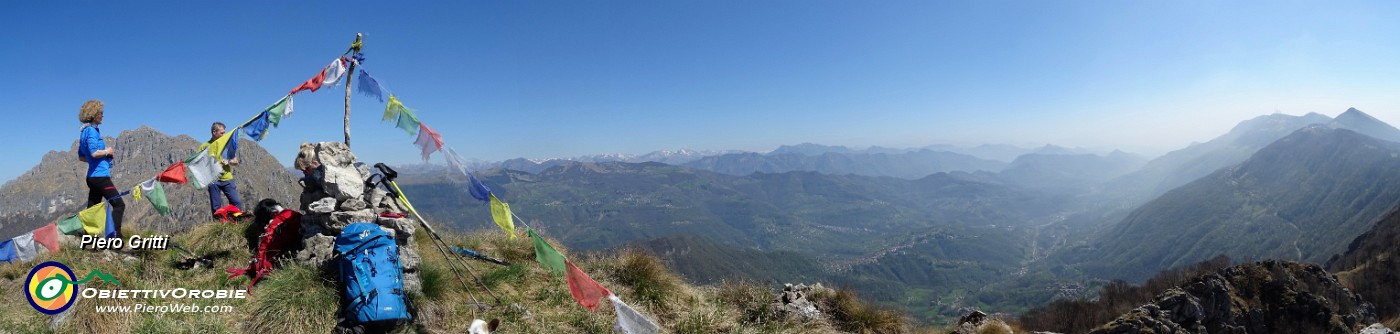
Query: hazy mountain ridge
[(909, 165), (1302, 198)]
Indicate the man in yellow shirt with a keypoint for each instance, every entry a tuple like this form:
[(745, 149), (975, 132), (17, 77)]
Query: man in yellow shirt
[(225, 183)]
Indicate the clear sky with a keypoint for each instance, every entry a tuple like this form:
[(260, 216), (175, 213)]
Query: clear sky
[(506, 79)]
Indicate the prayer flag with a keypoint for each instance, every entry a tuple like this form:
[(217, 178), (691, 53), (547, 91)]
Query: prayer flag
[(585, 290), (257, 129), (231, 148), (500, 211), (47, 236), (408, 122), (111, 227), (24, 247), (546, 255), (334, 72), (72, 225), (279, 110), (478, 189), (173, 174), (392, 110), (204, 168), (94, 219), (7, 250), (156, 194), (136, 192), (313, 84), (428, 141), (630, 321), (369, 86)]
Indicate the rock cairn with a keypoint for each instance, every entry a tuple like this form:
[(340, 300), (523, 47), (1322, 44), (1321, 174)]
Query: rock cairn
[(335, 194)]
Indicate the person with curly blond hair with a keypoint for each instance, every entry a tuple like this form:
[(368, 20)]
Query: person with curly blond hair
[(93, 150)]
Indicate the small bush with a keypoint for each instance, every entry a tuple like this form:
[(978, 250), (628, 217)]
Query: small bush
[(652, 284)]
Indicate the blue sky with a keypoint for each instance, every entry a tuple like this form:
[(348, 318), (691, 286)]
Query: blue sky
[(506, 79)]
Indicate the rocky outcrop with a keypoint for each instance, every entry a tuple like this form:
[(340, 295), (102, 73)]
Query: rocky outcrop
[(1377, 329), (977, 322), (793, 302), (1263, 297), (335, 194)]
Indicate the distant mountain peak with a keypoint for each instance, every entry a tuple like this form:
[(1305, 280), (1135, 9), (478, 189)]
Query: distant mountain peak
[(1363, 123)]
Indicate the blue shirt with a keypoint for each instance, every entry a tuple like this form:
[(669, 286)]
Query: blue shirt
[(91, 141)]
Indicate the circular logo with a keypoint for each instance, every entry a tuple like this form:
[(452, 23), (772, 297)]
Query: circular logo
[(48, 287)]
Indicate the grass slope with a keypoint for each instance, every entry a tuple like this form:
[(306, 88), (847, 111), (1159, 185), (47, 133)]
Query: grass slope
[(298, 299)]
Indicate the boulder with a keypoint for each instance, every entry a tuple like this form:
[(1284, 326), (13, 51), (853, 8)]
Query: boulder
[(353, 204), (324, 205), (343, 183), (316, 250), (1377, 329)]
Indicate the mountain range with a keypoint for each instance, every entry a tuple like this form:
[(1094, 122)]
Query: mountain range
[(1301, 198)]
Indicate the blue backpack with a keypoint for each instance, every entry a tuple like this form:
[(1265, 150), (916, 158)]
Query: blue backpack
[(371, 273)]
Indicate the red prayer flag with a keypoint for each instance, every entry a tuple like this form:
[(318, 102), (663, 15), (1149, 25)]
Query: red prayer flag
[(173, 174), (48, 237), (428, 141), (585, 290), (313, 84)]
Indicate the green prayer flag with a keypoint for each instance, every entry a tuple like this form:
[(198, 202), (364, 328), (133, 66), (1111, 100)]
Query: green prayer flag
[(156, 194), (408, 122), (546, 255), (278, 110), (71, 225)]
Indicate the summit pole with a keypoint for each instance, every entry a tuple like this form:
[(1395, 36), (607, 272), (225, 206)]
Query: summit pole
[(350, 74)]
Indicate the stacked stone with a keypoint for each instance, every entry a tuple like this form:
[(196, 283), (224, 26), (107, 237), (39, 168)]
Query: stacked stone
[(335, 195)]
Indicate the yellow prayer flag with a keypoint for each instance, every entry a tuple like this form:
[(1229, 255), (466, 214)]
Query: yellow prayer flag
[(136, 192), (94, 219), (500, 211), (216, 148)]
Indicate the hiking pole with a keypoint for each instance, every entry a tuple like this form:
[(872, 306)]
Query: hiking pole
[(478, 256), (389, 175)]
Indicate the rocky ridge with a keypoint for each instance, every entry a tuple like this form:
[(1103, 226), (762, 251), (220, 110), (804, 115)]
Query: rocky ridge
[(1263, 297)]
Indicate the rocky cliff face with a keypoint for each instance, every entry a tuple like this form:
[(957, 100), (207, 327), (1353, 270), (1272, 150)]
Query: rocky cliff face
[(1263, 297), (55, 187)]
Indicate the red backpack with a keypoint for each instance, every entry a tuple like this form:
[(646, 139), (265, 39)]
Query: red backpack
[(229, 214), (282, 234)]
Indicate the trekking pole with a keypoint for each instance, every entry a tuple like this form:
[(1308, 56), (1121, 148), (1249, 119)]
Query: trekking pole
[(439, 243), (388, 176)]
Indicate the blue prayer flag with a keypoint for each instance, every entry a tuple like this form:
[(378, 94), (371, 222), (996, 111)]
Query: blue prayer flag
[(231, 149), (478, 189), (111, 228), (369, 86), (7, 250), (257, 129)]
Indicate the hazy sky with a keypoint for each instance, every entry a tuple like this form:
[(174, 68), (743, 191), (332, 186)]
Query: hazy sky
[(505, 79)]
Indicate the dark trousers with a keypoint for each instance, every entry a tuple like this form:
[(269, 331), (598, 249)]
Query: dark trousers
[(229, 189), (100, 188)]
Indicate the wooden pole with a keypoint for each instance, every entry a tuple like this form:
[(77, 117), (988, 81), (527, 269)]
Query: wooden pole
[(350, 74)]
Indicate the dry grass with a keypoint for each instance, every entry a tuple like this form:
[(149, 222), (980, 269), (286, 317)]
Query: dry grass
[(851, 314)]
